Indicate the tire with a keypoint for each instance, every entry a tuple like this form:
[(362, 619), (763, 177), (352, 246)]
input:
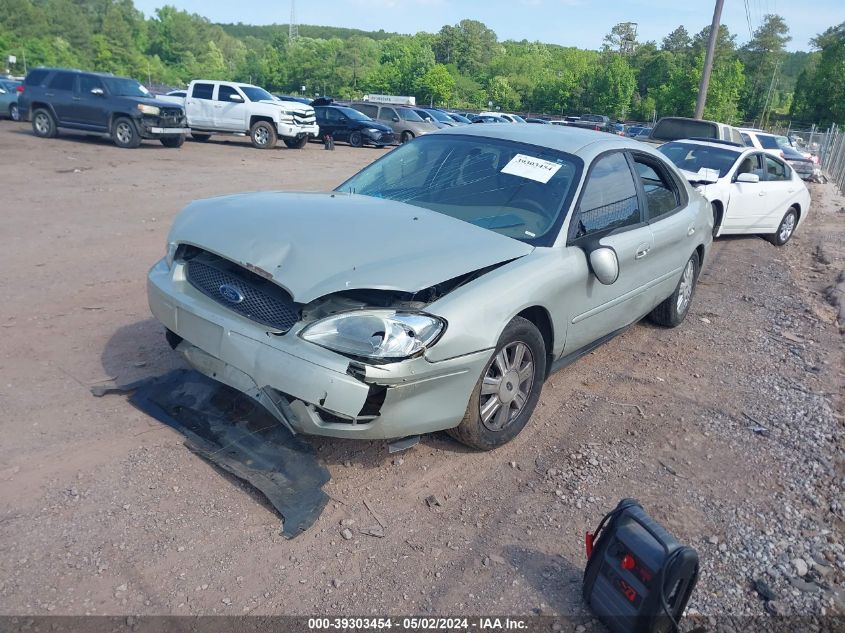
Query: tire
[(407, 136), (125, 134), (200, 138), (173, 141), (14, 113), (263, 135), (786, 228), (44, 123), (356, 139), (296, 143), (717, 220), (491, 429), (673, 310)]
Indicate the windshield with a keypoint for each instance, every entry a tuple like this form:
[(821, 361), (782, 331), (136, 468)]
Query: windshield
[(691, 157), (518, 118), (257, 94), (409, 115), (672, 129), (353, 114), (440, 116), (122, 87), (514, 189), (459, 118)]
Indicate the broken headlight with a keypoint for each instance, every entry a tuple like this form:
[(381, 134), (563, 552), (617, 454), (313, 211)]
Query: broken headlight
[(378, 334)]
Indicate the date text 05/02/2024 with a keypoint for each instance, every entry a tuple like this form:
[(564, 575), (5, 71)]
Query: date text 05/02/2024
[(418, 624)]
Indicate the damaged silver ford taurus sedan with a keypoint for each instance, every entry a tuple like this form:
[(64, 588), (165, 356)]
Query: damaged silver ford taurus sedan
[(438, 287)]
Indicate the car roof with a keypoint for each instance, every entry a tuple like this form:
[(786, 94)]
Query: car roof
[(579, 141), (72, 70)]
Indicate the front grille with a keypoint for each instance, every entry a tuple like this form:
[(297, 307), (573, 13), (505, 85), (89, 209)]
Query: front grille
[(248, 294), (305, 119)]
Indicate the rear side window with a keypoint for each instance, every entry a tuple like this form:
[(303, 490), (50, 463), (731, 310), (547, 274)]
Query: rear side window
[(661, 193), (62, 81), (747, 139), (202, 91), (370, 110), (387, 114), (736, 137), (610, 198), (673, 129), (36, 77)]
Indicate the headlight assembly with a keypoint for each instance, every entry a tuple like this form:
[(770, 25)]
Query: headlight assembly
[(149, 109), (376, 334)]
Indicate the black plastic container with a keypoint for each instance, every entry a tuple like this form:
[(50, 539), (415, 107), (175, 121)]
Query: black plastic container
[(638, 577)]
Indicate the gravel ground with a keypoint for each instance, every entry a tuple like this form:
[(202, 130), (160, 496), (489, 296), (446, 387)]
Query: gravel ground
[(728, 429)]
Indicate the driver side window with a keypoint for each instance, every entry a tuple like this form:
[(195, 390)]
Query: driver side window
[(224, 93), (609, 200)]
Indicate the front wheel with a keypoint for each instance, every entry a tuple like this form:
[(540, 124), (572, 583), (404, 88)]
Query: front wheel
[(407, 136), (200, 138), (786, 228), (507, 391), (356, 139), (674, 309), (263, 135), (173, 141), (296, 143), (125, 134), (14, 113)]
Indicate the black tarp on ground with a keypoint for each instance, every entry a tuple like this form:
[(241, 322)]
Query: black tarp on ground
[(231, 430)]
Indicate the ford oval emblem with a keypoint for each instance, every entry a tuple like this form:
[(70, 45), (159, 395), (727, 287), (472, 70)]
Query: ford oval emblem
[(231, 294)]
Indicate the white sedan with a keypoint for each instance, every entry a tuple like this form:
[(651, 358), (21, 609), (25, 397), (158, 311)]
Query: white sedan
[(749, 190)]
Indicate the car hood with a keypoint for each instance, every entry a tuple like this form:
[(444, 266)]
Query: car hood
[(290, 106), (362, 125), (314, 244)]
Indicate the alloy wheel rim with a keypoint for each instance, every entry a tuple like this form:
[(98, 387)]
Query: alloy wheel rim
[(123, 133), (506, 386), (14, 113), (685, 290), (260, 136), (787, 227), (41, 123)]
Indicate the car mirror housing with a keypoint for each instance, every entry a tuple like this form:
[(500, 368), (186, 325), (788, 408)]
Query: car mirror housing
[(237, 98), (605, 265), (396, 119), (746, 177), (97, 91)]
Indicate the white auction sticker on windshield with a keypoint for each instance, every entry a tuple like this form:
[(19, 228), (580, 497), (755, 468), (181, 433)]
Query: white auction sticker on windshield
[(531, 168)]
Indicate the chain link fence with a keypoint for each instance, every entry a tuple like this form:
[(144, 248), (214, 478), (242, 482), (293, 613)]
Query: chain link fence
[(826, 144)]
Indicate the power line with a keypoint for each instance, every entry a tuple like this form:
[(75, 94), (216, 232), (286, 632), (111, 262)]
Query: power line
[(748, 19)]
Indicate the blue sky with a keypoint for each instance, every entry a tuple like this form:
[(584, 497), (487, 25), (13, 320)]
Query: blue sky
[(581, 23)]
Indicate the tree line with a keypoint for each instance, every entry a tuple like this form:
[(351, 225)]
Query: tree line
[(462, 66)]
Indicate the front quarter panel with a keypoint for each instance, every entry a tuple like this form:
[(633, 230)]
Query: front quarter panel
[(478, 312)]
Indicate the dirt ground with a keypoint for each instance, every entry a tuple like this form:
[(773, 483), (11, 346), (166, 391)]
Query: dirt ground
[(728, 429)]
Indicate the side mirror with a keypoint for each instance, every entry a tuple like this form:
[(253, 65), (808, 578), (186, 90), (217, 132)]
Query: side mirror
[(605, 265), (746, 177), (236, 97), (396, 119), (2, 91), (97, 91)]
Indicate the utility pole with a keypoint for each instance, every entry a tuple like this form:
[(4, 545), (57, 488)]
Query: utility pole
[(708, 60)]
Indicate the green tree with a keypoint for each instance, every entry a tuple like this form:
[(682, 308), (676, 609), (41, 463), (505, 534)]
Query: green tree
[(437, 85), (762, 56)]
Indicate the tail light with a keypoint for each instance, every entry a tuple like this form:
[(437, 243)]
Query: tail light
[(19, 88), (597, 128)]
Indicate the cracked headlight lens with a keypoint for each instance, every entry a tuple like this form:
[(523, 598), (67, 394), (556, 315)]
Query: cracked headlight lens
[(377, 334), (149, 109)]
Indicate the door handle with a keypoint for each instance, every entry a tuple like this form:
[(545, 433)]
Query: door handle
[(642, 251), (790, 191), (762, 193)]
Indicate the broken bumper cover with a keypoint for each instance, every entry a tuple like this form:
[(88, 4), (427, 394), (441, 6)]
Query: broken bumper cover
[(314, 390), (293, 130)]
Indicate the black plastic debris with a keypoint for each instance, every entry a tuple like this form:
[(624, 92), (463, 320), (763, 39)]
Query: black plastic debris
[(234, 432)]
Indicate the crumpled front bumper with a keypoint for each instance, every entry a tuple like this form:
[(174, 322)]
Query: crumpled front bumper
[(314, 390), (293, 130)]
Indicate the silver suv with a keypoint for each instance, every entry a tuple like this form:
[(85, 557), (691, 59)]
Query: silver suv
[(406, 123)]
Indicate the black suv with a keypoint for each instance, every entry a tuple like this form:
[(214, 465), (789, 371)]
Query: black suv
[(98, 103), (347, 124)]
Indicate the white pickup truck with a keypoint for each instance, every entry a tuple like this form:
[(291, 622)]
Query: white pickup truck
[(224, 107)]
